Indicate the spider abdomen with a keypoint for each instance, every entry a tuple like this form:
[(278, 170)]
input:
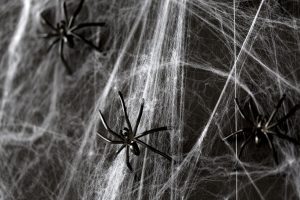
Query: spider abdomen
[(70, 41), (134, 148), (257, 140), (259, 136)]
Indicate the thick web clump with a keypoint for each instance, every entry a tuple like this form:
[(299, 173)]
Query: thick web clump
[(188, 59)]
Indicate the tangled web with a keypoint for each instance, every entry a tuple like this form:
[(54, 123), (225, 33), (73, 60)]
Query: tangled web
[(188, 59)]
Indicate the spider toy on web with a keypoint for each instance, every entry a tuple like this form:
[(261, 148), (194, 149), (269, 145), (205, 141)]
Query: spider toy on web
[(128, 136), (262, 127), (65, 32)]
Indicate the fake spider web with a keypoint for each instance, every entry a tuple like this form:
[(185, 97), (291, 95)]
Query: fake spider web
[(188, 59)]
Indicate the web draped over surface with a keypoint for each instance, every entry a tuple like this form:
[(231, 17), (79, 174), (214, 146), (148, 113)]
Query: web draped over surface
[(188, 59)]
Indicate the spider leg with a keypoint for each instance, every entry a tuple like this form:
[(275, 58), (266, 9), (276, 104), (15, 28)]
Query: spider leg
[(125, 111), (242, 112), (121, 148), (73, 17), (138, 118), (88, 24), (107, 127), (244, 145), (284, 137), (290, 113), (61, 53), (165, 128), (45, 21), (235, 133), (275, 110), (108, 140), (127, 159), (52, 44), (253, 109), (153, 149), (271, 145), (65, 11), (274, 154), (86, 41)]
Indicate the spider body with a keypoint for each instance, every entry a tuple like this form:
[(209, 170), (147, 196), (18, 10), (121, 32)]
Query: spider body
[(262, 127), (65, 32), (129, 141), (128, 137)]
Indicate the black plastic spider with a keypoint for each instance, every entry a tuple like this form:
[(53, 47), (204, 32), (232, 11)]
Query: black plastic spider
[(127, 137), (65, 32), (262, 127)]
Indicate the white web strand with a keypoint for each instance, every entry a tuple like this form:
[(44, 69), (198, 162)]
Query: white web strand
[(188, 59), (14, 53)]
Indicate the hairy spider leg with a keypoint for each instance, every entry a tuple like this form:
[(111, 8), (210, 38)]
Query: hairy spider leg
[(87, 24), (253, 109), (242, 112), (244, 145), (84, 25), (236, 132), (85, 41), (138, 118), (52, 44), (275, 110), (284, 137), (65, 11), (127, 158), (121, 148), (125, 112), (75, 14), (108, 128), (165, 128), (290, 113), (45, 21), (153, 149), (61, 53), (108, 140), (275, 156)]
